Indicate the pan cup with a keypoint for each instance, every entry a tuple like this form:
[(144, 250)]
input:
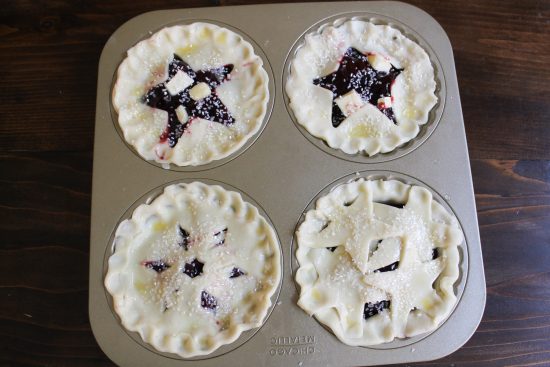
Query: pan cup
[(247, 144), (110, 249), (458, 286), (434, 115)]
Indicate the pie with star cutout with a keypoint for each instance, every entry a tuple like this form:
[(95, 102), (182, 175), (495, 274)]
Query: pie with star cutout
[(193, 269), (362, 88), (190, 94), (378, 261)]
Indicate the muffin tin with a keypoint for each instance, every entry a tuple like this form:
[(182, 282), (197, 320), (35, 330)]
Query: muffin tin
[(283, 170)]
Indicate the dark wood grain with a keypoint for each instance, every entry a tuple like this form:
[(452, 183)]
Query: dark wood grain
[(49, 53)]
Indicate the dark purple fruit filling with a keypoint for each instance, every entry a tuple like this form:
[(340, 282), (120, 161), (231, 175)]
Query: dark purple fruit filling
[(331, 249), (157, 265), (236, 272), (183, 240), (435, 253), (390, 267), (356, 73), (209, 108), (208, 301), (349, 203), (372, 309), (393, 204), (220, 237), (193, 268)]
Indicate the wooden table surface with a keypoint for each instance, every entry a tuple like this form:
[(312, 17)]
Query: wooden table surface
[(49, 53)]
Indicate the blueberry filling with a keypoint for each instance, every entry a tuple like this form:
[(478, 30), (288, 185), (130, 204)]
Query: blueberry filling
[(331, 249), (395, 205), (184, 238), (208, 301), (435, 253), (390, 267), (356, 73), (372, 309), (193, 268), (157, 265), (236, 272), (220, 237), (350, 203), (209, 108)]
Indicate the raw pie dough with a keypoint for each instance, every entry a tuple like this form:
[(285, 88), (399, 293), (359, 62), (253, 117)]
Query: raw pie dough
[(372, 270), (217, 76), (193, 269), (366, 128)]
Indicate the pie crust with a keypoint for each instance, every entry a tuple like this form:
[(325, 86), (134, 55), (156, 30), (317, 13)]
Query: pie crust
[(368, 265), (230, 111), (367, 129), (193, 269)]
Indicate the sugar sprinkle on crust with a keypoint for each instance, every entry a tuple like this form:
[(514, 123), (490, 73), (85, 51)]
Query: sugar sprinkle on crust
[(386, 119), (193, 269), (391, 268), (242, 95)]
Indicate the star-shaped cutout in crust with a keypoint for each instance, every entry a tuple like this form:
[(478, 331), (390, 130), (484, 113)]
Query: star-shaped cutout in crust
[(356, 73), (209, 108)]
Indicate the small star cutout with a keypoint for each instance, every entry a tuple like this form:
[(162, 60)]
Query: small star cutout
[(356, 73), (193, 269), (209, 108)]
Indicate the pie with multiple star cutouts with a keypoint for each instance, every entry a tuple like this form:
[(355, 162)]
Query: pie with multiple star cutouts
[(190, 94), (361, 87), (378, 261), (193, 269)]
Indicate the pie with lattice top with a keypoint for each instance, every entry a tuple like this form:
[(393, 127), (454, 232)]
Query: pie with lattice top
[(378, 261), (362, 88), (190, 94), (193, 269)]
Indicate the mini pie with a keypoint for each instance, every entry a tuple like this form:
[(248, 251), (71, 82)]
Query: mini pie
[(193, 269), (190, 94), (361, 87), (378, 261)]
